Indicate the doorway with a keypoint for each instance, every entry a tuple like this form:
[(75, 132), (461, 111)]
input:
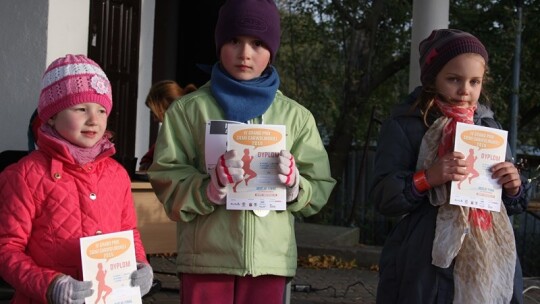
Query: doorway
[(113, 42)]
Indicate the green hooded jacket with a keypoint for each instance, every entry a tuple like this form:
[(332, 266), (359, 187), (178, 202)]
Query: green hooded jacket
[(210, 238)]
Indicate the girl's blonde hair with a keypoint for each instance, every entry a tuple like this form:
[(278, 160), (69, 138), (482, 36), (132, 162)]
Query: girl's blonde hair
[(163, 93)]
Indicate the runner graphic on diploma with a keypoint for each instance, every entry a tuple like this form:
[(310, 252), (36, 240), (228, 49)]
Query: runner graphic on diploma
[(247, 169), (102, 287), (471, 171)]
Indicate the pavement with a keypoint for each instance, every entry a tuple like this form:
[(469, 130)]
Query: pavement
[(310, 285), (318, 285), (313, 286)]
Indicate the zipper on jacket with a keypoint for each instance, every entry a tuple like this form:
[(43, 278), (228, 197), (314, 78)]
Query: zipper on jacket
[(250, 240), (250, 219)]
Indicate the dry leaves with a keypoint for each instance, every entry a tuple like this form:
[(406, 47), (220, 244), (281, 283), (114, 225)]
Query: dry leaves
[(325, 262)]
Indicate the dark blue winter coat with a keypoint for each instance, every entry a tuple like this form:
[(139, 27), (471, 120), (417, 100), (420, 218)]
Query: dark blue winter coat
[(406, 272)]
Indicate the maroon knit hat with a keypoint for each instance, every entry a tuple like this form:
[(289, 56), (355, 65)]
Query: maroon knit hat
[(72, 80), (443, 45), (257, 18)]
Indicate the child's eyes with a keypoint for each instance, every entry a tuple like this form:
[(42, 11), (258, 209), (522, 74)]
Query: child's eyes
[(473, 82), (258, 43), (83, 109), (476, 82)]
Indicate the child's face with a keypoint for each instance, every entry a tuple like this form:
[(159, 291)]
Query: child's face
[(244, 58), (82, 125), (460, 80)]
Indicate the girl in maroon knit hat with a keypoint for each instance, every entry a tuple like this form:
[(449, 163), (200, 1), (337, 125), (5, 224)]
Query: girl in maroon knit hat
[(442, 253)]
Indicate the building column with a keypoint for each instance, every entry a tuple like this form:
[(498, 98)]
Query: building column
[(427, 16)]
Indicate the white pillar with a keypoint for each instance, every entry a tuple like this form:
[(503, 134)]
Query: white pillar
[(427, 16)]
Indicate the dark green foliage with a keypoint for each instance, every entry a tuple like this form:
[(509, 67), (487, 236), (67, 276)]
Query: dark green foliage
[(342, 58)]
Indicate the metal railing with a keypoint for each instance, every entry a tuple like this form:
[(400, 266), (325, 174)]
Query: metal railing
[(353, 209)]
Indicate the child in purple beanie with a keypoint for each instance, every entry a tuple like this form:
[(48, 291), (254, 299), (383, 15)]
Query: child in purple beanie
[(439, 252), (237, 256)]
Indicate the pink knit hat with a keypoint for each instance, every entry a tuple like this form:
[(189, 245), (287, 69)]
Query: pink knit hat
[(72, 80)]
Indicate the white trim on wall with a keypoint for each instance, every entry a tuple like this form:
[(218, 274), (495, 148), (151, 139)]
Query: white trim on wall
[(67, 28), (145, 78), (36, 32)]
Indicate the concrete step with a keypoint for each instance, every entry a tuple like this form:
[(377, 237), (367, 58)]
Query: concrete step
[(341, 242)]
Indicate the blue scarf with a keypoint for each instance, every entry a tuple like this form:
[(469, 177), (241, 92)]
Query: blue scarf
[(242, 100)]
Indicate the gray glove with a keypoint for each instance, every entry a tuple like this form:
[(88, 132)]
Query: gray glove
[(66, 289), (143, 277)]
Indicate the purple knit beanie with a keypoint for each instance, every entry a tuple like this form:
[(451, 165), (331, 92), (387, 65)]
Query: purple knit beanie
[(443, 45), (257, 18), (72, 80)]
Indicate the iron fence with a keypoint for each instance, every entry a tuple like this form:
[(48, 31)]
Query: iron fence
[(354, 209)]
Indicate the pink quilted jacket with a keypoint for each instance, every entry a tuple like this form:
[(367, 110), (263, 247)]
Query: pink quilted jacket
[(46, 204)]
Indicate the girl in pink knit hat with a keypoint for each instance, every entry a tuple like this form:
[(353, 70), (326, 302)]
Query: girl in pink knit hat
[(69, 188)]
